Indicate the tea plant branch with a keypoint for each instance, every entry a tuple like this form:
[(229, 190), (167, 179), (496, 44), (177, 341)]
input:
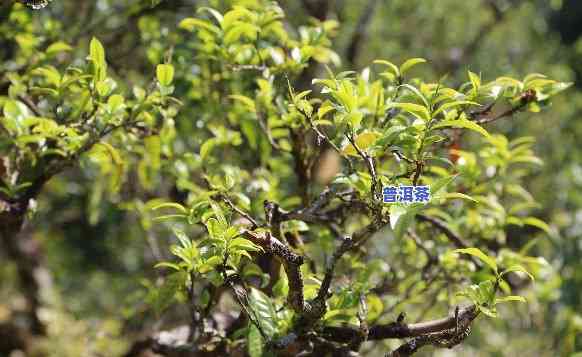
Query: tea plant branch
[(440, 225), (13, 219), (361, 237), (398, 329), (317, 8), (267, 131), (323, 293), (195, 313), (448, 232), (410, 291), (471, 48), (239, 211), (322, 136), (359, 34), (30, 105), (418, 242), (241, 295), (369, 160), (291, 263), (444, 339), (312, 212), (364, 329), (486, 109), (57, 166), (300, 156), (524, 101)]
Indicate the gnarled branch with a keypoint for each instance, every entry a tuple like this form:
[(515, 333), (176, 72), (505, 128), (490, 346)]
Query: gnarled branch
[(393, 330)]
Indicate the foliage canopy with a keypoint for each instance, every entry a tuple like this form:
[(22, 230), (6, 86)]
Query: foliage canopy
[(234, 174)]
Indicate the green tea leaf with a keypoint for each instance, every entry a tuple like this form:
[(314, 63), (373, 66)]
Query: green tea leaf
[(264, 311), (536, 222), (165, 74), (254, 342), (476, 252), (177, 206), (406, 66), (509, 299), (462, 123), (97, 55), (520, 269)]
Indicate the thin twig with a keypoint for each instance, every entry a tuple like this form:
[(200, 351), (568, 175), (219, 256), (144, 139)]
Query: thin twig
[(508, 113), (359, 33), (369, 164), (30, 105), (322, 136), (323, 293), (240, 212), (437, 223)]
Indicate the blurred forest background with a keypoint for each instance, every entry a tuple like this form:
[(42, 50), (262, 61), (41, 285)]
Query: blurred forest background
[(101, 253)]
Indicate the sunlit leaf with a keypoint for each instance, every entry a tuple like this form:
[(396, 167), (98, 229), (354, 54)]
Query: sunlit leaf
[(165, 74), (461, 123), (536, 222), (406, 66), (519, 269), (476, 252), (509, 299)]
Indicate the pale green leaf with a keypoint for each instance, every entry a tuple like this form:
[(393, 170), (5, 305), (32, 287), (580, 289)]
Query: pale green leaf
[(58, 47), (177, 206), (97, 55), (476, 252), (520, 269), (217, 15), (402, 217), (264, 311), (462, 123), (417, 110), (510, 298), (454, 195), (363, 141), (248, 102), (190, 24), (390, 65), (406, 66), (254, 342), (475, 81), (536, 222), (165, 74)]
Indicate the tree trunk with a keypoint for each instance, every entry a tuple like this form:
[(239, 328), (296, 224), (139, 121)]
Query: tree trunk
[(24, 253)]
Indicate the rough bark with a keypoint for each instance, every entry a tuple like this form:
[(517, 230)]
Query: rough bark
[(24, 253)]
